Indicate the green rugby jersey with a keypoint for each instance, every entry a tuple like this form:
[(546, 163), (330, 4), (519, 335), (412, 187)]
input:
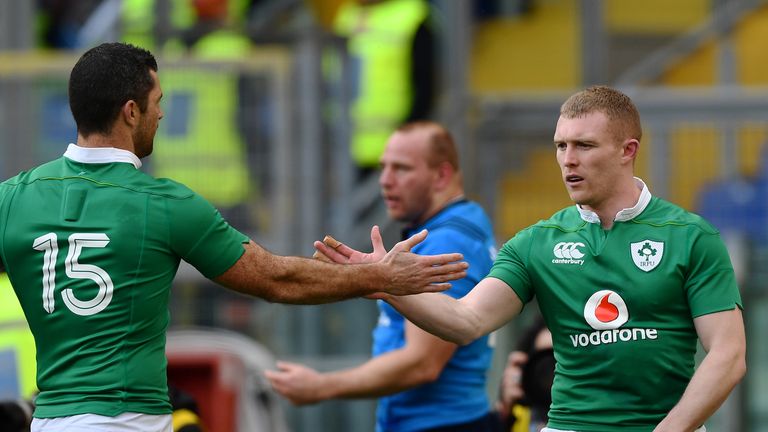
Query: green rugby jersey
[(620, 304), (91, 245)]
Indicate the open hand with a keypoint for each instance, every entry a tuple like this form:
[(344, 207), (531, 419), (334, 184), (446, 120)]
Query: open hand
[(299, 384), (412, 274), (333, 250), (408, 273)]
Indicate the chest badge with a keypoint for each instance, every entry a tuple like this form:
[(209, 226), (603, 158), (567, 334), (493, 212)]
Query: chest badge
[(646, 254)]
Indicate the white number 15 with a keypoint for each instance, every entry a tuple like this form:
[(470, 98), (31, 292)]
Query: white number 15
[(48, 244)]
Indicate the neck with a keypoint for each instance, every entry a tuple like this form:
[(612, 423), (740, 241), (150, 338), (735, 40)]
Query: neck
[(440, 202), (626, 197), (96, 140)]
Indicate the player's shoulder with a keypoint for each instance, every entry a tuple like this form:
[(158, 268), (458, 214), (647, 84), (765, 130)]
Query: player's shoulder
[(567, 219), (47, 169), (163, 187), (661, 212)]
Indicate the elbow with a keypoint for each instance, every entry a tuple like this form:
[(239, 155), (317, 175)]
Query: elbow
[(469, 333), (466, 338), (462, 339), (426, 374), (740, 367), (430, 376)]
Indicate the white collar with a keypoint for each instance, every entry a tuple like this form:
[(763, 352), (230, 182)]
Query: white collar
[(624, 214), (94, 155)]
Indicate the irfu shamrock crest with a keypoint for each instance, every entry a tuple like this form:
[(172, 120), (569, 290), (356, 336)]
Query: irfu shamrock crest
[(646, 254)]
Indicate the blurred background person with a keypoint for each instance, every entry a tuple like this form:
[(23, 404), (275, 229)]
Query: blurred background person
[(17, 362), (17, 347), (423, 383), (526, 384), (391, 43)]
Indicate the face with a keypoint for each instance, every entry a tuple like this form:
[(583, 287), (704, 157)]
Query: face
[(591, 159), (144, 135), (406, 179)]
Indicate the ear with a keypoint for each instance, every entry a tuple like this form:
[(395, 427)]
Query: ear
[(130, 113), (630, 148), (445, 173)]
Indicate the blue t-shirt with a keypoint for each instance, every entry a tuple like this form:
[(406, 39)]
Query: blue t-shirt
[(458, 395)]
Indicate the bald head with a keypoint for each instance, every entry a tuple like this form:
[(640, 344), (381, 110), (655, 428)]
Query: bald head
[(419, 172), (440, 144)]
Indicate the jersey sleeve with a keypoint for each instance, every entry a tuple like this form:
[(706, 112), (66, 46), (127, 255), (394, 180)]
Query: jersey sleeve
[(201, 236), (711, 283), (510, 265)]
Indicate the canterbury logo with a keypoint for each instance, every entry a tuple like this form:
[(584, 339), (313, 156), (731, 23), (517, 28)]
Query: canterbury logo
[(568, 250), (568, 253)]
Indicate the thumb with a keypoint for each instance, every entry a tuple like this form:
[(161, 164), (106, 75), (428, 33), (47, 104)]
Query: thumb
[(412, 241), (377, 241)]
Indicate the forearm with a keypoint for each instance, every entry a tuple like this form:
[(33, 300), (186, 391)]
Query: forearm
[(298, 280), (441, 315), (488, 306), (384, 375), (714, 379)]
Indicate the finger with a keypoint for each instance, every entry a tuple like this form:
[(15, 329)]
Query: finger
[(273, 377), (320, 256), (436, 287), (338, 247), (446, 273), (285, 365), (345, 250), (377, 241), (411, 241), (445, 269), (331, 253), (435, 260), (331, 242)]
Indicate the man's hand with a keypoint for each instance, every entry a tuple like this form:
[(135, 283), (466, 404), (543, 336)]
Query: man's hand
[(409, 273), (511, 387), (333, 250), (297, 383)]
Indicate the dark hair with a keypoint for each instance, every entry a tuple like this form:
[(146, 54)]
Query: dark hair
[(103, 80)]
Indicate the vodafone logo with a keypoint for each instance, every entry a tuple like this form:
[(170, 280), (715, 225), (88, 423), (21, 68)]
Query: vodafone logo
[(568, 253), (606, 310)]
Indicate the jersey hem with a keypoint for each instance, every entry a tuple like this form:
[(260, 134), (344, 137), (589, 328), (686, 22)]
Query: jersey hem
[(108, 410)]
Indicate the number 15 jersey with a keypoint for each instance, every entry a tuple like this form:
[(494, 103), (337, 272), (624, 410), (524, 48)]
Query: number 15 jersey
[(91, 245)]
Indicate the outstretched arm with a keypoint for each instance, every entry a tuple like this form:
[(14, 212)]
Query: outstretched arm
[(306, 281), (488, 306), (420, 361), (722, 336)]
